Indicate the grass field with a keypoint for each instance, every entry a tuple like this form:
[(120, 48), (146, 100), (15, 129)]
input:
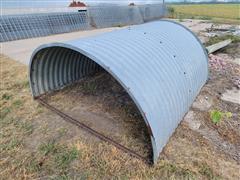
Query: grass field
[(33, 145), (206, 11)]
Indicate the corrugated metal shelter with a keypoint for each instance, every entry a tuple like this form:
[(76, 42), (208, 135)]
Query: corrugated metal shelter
[(162, 66)]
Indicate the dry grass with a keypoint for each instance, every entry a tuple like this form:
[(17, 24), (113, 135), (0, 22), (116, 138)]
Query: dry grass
[(90, 99), (217, 39), (34, 143)]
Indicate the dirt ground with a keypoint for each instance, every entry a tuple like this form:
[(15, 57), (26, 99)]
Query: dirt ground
[(37, 144)]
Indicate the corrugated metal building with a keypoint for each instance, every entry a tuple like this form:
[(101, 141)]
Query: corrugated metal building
[(161, 65)]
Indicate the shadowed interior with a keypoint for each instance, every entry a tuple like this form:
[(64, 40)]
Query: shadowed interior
[(54, 68)]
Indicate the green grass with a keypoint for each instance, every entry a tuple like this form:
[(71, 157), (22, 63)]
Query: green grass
[(217, 116), (26, 127), (62, 155), (208, 172), (47, 148), (6, 96), (4, 112), (65, 156), (17, 103), (221, 13), (11, 145), (33, 166), (228, 11), (181, 173)]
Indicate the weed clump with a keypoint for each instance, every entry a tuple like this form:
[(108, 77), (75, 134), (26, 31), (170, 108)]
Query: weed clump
[(216, 116)]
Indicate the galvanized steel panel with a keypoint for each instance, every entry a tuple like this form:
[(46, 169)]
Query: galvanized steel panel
[(152, 11), (162, 66), (110, 16)]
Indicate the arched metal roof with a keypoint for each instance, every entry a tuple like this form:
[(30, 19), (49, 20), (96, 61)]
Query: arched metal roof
[(162, 66)]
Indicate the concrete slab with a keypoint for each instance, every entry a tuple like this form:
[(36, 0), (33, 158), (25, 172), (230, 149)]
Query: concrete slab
[(232, 96), (202, 103), (21, 50), (191, 120)]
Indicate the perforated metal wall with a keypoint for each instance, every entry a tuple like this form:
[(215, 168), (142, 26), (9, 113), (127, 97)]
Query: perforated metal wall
[(13, 27), (21, 26)]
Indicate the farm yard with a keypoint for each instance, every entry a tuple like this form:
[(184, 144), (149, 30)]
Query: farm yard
[(36, 143), (219, 12)]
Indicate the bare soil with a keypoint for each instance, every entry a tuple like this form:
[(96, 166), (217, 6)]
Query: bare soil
[(101, 103)]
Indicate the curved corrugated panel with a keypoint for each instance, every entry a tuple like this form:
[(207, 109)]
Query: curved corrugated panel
[(162, 66)]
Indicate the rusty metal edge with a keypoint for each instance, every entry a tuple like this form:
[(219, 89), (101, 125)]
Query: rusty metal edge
[(93, 132)]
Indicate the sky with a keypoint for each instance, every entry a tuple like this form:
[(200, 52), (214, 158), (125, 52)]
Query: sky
[(65, 3)]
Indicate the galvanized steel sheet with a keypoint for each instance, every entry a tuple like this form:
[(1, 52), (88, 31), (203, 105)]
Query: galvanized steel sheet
[(151, 12), (162, 66), (110, 16)]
